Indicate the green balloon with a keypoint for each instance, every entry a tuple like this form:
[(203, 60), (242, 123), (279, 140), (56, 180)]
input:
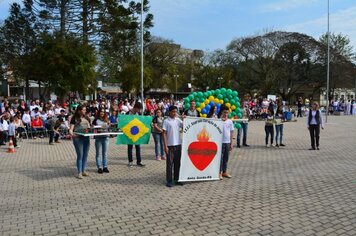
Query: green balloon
[(229, 91), (238, 104), (220, 96), (206, 94), (197, 104), (233, 102), (191, 97), (238, 126), (217, 92), (195, 94), (239, 115), (186, 106), (226, 100), (200, 94), (186, 100), (223, 90), (230, 115), (234, 93)]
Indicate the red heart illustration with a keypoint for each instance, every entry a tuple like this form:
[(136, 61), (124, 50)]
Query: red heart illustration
[(202, 153)]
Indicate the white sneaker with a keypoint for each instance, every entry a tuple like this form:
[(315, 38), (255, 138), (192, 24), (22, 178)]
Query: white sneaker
[(267, 146), (79, 176)]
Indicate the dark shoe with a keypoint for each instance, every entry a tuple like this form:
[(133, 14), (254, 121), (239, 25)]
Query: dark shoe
[(246, 145), (277, 145), (238, 146), (179, 183), (140, 165), (311, 148), (100, 171), (106, 170), (317, 148), (282, 145), (169, 185)]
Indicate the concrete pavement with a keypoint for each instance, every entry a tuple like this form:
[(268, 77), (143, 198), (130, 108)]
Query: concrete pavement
[(274, 191)]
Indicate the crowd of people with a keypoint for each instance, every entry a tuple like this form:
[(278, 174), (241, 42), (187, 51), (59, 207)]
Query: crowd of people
[(63, 120)]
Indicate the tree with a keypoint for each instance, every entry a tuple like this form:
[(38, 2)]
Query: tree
[(69, 64), (119, 45), (19, 38)]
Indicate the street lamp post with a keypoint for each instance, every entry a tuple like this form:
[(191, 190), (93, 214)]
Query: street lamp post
[(142, 99), (328, 69), (220, 78), (176, 76)]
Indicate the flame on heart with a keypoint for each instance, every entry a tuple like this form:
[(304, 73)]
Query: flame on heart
[(203, 136)]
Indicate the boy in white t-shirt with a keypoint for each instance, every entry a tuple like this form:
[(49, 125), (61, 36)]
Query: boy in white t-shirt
[(228, 132), (172, 145)]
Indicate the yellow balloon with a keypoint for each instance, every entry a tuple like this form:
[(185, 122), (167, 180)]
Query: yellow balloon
[(211, 98), (221, 101), (199, 109), (216, 100), (233, 107), (206, 101), (230, 110), (204, 115), (228, 105), (202, 105)]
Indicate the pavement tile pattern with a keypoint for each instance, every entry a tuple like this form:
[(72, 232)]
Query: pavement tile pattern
[(274, 191)]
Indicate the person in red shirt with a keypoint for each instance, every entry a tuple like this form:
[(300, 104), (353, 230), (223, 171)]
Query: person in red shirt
[(37, 127)]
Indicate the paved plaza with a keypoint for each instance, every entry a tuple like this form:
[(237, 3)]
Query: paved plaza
[(274, 191)]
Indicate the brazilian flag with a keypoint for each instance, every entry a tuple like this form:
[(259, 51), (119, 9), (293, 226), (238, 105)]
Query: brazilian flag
[(136, 129)]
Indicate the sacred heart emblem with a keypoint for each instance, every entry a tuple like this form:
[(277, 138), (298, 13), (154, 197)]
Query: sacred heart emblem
[(202, 152)]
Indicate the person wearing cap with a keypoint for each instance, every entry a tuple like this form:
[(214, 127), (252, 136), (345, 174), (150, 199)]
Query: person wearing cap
[(172, 146)]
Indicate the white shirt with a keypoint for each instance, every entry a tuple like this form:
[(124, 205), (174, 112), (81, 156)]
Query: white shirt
[(228, 128), (5, 125), (313, 120), (172, 128), (124, 108), (26, 118)]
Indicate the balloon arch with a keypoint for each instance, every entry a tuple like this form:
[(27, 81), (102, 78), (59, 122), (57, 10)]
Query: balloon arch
[(205, 100)]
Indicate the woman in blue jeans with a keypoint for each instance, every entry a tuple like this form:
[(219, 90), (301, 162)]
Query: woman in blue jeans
[(101, 141), (279, 119), (157, 131), (80, 122)]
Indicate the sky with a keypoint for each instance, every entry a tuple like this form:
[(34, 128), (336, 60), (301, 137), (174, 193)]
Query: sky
[(212, 24)]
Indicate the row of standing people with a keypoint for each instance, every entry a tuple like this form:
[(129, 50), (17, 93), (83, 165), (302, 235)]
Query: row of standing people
[(166, 133)]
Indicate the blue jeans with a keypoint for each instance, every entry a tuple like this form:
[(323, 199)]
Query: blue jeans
[(157, 137), (101, 150), (243, 129), (81, 145), (279, 133)]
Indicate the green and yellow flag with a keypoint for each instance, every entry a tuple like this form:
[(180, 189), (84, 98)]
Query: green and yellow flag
[(136, 129)]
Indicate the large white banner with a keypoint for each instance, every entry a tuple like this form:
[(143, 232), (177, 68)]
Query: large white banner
[(201, 149)]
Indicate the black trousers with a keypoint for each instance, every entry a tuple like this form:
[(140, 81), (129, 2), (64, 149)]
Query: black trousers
[(269, 131), (173, 161), (314, 131), (53, 135)]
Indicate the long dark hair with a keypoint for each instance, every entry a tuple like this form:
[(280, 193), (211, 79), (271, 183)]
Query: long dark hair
[(105, 118), (211, 112), (77, 116)]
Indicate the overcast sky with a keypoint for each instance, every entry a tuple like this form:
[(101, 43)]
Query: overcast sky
[(212, 24)]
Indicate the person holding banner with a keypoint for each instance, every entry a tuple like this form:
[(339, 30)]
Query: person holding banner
[(228, 132), (172, 145), (101, 142), (136, 110), (79, 123)]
